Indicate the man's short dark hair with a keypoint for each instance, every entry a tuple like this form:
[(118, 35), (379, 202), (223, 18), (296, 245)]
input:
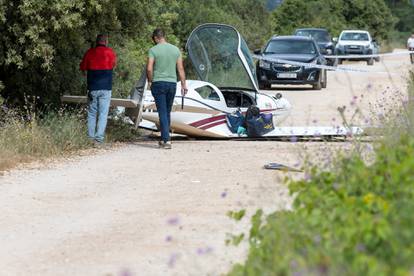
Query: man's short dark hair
[(101, 39), (158, 33)]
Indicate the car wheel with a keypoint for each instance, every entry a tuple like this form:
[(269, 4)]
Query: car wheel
[(339, 61), (325, 79), (370, 61), (318, 85), (377, 59)]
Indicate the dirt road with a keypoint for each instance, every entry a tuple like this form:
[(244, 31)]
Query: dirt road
[(138, 210)]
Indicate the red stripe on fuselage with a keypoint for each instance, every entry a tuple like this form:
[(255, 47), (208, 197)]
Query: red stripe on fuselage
[(207, 121), (213, 125)]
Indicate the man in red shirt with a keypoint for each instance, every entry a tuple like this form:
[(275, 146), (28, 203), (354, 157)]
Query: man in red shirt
[(99, 63)]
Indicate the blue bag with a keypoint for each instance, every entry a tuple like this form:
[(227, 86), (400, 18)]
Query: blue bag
[(234, 121), (258, 126)]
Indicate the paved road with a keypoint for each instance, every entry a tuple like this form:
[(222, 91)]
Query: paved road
[(137, 210)]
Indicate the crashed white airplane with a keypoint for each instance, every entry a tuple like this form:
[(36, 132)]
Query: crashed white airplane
[(227, 83), (222, 61)]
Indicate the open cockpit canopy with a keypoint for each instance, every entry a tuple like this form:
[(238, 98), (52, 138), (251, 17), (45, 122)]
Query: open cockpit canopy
[(221, 56)]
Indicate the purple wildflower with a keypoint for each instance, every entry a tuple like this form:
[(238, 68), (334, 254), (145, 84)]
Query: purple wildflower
[(173, 259), (223, 194), (204, 251), (4, 108), (125, 272), (168, 238), (173, 221), (293, 264), (360, 247)]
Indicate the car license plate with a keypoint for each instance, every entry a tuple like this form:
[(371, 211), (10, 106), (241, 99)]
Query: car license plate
[(287, 75), (354, 47)]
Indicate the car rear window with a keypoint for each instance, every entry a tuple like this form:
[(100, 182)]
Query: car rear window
[(287, 47), (318, 35)]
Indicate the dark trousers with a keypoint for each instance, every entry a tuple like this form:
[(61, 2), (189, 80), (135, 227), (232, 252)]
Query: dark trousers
[(411, 55), (164, 93)]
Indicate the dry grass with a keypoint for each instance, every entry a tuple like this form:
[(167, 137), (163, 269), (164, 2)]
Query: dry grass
[(26, 138)]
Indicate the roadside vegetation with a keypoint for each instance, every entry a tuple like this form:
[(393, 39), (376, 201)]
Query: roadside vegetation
[(27, 136), (355, 219)]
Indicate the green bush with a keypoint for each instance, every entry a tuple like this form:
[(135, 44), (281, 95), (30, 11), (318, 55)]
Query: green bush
[(356, 219)]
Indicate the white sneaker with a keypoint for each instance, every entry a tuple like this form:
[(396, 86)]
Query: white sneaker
[(167, 145)]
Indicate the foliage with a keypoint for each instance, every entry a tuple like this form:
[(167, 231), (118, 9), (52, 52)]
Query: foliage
[(119, 131), (353, 220), (249, 17), (237, 215), (27, 136), (234, 240), (335, 15), (404, 11), (44, 41), (24, 139)]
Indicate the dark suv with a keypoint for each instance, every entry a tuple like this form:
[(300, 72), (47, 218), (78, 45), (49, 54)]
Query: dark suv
[(290, 48), (322, 38)]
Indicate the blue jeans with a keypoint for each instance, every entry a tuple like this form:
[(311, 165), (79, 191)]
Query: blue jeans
[(164, 93), (99, 101)]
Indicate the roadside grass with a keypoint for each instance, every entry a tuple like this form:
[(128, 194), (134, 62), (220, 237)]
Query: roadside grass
[(28, 137), (354, 219), (397, 40)]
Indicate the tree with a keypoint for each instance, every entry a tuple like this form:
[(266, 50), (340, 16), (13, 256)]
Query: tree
[(403, 10), (335, 15), (250, 17), (43, 42), (373, 15)]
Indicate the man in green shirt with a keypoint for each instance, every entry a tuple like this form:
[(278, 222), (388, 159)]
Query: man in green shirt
[(164, 60)]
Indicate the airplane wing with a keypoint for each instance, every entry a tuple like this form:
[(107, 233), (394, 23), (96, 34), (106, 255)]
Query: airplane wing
[(128, 103)]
